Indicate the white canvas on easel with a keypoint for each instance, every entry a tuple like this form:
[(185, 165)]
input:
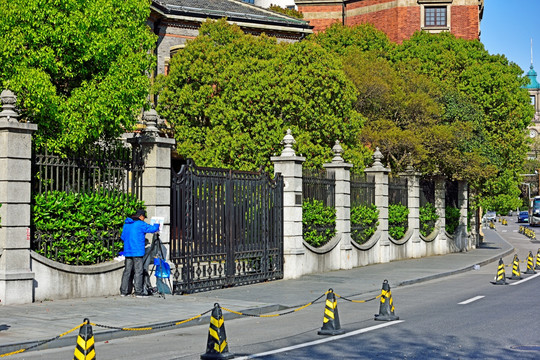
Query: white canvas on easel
[(157, 220)]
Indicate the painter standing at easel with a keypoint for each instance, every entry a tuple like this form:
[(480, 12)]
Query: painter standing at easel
[(133, 235)]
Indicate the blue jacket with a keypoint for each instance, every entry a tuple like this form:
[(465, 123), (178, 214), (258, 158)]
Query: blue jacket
[(133, 236)]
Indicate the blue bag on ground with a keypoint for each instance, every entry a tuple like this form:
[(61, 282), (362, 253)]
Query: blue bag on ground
[(163, 269)]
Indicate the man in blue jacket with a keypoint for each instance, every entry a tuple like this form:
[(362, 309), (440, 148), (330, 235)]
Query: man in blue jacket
[(133, 235)]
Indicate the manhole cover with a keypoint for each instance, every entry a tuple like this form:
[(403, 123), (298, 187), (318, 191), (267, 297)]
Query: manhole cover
[(527, 347)]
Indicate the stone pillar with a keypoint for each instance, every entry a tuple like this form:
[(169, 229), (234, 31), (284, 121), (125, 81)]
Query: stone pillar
[(290, 167), (16, 278), (381, 201), (462, 237), (156, 181), (441, 246), (413, 191), (341, 171)]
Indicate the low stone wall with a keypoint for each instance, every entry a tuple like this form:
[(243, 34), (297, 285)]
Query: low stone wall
[(327, 257), (59, 281)]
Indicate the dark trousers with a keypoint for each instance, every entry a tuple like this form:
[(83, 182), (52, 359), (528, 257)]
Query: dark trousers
[(133, 274)]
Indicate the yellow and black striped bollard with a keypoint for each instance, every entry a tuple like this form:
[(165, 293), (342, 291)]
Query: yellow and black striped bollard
[(331, 325), (530, 264), (84, 350), (386, 307), (516, 272), (500, 278), (216, 346)]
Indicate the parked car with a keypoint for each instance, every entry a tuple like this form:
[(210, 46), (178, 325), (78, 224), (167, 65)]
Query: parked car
[(490, 216), (523, 216)]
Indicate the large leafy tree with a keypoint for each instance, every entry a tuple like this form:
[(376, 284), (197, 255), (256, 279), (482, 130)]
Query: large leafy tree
[(492, 85), (442, 104), (79, 67), (230, 98)]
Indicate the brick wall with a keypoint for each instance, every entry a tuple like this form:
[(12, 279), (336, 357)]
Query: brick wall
[(398, 22), (465, 22)]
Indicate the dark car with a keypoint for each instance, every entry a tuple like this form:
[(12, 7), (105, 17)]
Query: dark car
[(523, 216)]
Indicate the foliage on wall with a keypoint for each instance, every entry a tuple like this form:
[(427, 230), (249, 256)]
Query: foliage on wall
[(81, 228), (365, 218), (318, 222), (398, 217)]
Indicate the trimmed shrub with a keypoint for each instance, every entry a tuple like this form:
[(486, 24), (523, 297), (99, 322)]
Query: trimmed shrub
[(81, 228), (364, 222), (452, 219), (318, 222), (428, 217), (398, 220)]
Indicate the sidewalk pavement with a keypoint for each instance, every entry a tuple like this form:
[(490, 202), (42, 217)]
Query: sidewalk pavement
[(22, 326)]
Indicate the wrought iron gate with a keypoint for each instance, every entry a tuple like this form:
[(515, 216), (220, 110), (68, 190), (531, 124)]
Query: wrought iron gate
[(226, 228)]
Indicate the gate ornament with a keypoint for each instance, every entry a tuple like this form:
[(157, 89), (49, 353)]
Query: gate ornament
[(150, 118), (8, 113), (337, 150), (288, 141)]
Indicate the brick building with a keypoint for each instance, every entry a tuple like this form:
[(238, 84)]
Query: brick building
[(177, 21), (399, 19)]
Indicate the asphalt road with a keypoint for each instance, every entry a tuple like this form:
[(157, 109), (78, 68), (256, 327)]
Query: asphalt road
[(459, 317)]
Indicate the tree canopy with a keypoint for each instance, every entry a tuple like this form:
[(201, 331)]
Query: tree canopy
[(79, 68), (439, 103), (231, 97)]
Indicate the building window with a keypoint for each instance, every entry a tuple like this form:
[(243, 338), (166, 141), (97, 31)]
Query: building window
[(435, 15), (249, 1), (533, 98)]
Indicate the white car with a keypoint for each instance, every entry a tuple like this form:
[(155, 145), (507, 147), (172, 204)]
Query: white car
[(490, 216)]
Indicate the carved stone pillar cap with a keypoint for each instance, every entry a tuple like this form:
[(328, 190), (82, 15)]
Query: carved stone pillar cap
[(150, 117), (8, 99), (377, 157), (337, 150), (288, 141)]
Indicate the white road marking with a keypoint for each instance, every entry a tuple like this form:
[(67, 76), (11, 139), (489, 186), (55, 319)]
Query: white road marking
[(471, 300), (321, 341), (526, 279)]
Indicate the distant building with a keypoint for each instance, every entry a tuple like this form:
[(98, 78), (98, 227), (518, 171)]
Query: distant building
[(177, 21), (286, 4), (534, 92), (399, 19)]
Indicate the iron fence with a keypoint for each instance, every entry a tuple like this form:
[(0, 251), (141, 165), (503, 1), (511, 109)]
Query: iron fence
[(451, 195), (115, 168), (427, 192), (109, 172), (362, 190), (362, 194), (398, 192), (319, 185)]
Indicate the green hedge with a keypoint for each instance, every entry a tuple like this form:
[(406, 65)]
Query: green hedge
[(428, 217), (318, 222), (452, 219), (81, 228), (365, 219), (398, 220)]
